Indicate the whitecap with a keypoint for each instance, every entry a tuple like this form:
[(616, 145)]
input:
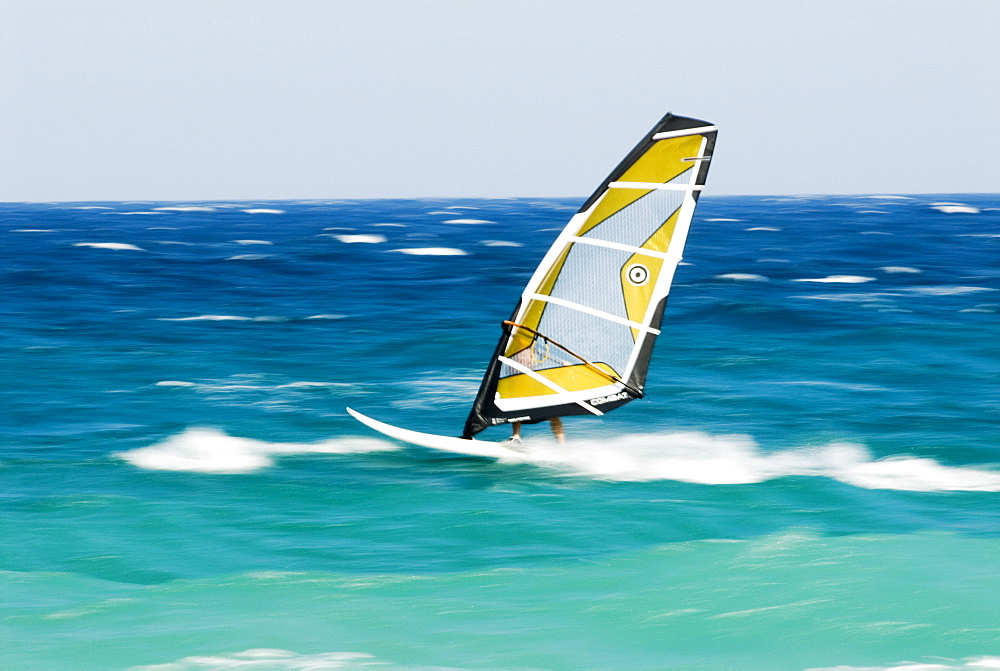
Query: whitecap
[(362, 238), (739, 277), (763, 228), (698, 457), (213, 451), (887, 197), (468, 221), (132, 213), (162, 228), (262, 210), (500, 243), (326, 317), (900, 269), (394, 225), (33, 230), (210, 318), (247, 257), (185, 208), (955, 208), (268, 659), (109, 245), (92, 207), (175, 383), (839, 279), (253, 242), (945, 290), (852, 298), (431, 251)]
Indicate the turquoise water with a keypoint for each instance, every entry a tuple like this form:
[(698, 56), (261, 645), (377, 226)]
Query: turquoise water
[(811, 482)]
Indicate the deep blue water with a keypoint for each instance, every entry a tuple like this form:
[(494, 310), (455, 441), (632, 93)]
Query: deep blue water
[(811, 482)]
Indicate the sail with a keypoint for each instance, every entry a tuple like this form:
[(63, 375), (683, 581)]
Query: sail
[(580, 338)]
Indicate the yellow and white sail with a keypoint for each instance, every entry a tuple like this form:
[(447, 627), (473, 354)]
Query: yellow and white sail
[(581, 336)]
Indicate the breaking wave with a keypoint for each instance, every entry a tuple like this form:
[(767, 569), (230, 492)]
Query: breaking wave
[(213, 451), (697, 457)]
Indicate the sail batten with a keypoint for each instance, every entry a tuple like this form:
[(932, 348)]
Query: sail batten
[(591, 311), (599, 293), (657, 185)]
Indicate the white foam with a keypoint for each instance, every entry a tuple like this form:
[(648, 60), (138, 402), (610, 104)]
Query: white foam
[(852, 298), (431, 251), (763, 228), (945, 290), (253, 242), (246, 257), (697, 457), (839, 279), (361, 238), (329, 316), (212, 451), (979, 235), (955, 208), (393, 225), (742, 277), (501, 243), (468, 221), (92, 207), (262, 210), (175, 383), (900, 269), (33, 230), (887, 197), (269, 659), (220, 318), (109, 245), (185, 208)]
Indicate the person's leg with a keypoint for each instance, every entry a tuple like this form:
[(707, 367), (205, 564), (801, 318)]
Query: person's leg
[(557, 430), (516, 435)]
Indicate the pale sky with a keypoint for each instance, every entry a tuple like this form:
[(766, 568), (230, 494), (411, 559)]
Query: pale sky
[(274, 99)]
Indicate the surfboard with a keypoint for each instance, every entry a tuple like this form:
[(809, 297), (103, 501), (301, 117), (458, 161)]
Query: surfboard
[(467, 446)]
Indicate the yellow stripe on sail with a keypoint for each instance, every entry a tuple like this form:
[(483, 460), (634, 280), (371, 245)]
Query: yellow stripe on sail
[(638, 296), (663, 162), (578, 377)]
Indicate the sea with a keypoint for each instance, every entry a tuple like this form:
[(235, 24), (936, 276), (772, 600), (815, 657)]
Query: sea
[(812, 482)]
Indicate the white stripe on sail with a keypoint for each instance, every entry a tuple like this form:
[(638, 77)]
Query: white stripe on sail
[(548, 383), (656, 185), (591, 311), (686, 131)]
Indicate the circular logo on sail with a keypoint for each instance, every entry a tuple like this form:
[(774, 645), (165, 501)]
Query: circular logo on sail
[(637, 274)]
